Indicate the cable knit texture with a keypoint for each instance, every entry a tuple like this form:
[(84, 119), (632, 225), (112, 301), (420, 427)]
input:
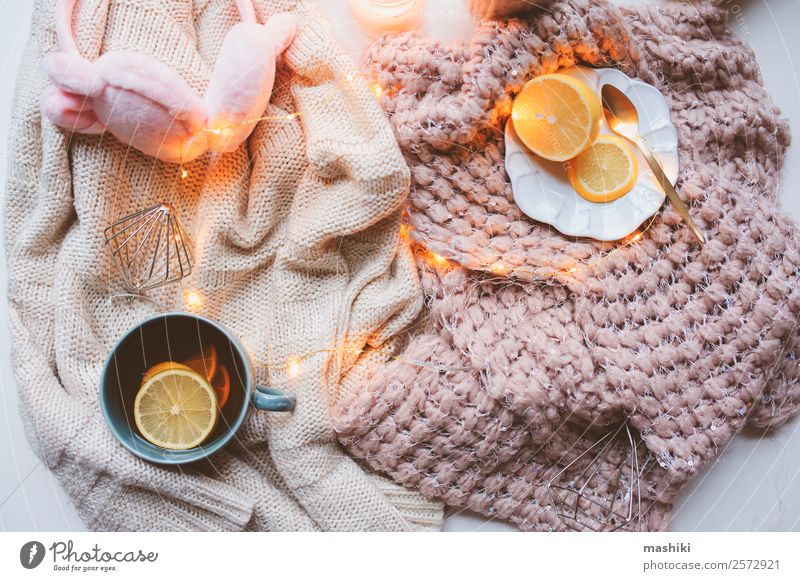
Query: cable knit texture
[(687, 343), (296, 245)]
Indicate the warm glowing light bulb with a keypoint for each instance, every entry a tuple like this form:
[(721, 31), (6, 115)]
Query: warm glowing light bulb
[(499, 268), (376, 89), (293, 367), (215, 131), (193, 299), (439, 260), (184, 173)]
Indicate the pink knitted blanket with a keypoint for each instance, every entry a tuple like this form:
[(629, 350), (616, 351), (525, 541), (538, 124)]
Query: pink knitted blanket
[(682, 344)]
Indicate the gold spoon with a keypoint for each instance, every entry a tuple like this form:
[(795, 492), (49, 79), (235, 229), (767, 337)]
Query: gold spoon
[(624, 120)]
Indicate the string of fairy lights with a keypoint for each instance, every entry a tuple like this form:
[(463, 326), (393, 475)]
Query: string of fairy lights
[(293, 366)]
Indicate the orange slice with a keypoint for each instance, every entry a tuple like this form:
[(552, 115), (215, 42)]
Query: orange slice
[(160, 367), (222, 385), (204, 363), (604, 172), (557, 116)]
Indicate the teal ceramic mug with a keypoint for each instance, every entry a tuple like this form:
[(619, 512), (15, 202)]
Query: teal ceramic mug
[(178, 337)]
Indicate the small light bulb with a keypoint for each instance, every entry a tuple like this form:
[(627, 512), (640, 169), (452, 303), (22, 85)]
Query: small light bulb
[(377, 89), (438, 260), (499, 268), (293, 367), (184, 173), (193, 299)]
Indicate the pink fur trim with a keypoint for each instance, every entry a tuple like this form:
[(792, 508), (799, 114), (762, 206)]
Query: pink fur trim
[(154, 81), (73, 73), (247, 12), (240, 87), (66, 40), (283, 27), (70, 111), (146, 104)]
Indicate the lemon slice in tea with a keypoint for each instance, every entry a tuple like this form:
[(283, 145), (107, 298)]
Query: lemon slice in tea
[(176, 409)]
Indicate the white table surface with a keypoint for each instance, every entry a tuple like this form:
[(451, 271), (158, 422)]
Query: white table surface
[(753, 485)]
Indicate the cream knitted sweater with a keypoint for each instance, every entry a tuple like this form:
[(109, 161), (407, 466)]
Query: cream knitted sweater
[(296, 242)]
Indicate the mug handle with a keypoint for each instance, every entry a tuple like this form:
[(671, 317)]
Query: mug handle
[(272, 400)]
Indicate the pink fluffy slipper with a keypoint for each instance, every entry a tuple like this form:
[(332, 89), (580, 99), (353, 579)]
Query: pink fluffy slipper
[(148, 105)]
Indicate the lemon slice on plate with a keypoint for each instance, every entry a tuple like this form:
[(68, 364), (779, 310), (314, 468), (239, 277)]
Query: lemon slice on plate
[(604, 172), (176, 408), (557, 116)]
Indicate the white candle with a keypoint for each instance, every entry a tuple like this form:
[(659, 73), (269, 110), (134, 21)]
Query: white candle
[(377, 17)]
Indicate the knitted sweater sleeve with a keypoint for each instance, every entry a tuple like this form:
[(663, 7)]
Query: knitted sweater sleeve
[(112, 489)]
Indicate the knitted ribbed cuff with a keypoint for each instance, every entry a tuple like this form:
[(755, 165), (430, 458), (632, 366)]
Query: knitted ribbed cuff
[(423, 514), (202, 507)]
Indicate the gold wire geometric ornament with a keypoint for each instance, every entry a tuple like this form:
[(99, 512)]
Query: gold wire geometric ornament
[(150, 248), (575, 503)]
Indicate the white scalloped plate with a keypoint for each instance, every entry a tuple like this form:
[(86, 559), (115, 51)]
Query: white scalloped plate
[(543, 192)]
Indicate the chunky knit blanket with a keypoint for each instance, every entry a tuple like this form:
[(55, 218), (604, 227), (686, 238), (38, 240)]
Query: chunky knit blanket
[(296, 244), (538, 348)]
